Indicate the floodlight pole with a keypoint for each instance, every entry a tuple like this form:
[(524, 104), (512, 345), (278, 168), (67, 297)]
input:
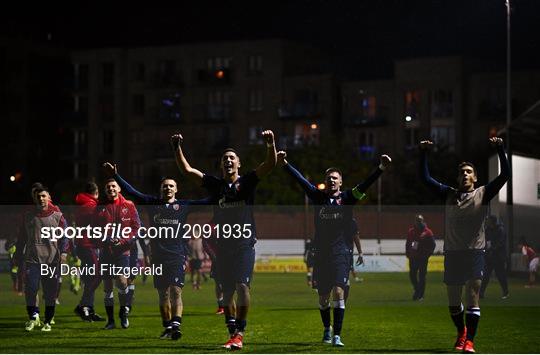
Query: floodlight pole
[(509, 184)]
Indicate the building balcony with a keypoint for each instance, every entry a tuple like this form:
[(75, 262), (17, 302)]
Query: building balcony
[(365, 121), (299, 110)]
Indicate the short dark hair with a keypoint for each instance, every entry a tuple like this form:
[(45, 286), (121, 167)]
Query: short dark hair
[(467, 163), (109, 180), (167, 178), (38, 187), (333, 170), (91, 187), (226, 150)]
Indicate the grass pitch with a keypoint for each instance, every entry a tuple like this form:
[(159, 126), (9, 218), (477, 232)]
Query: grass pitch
[(380, 317)]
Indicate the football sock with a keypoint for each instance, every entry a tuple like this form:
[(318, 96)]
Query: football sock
[(32, 311), (220, 302), (241, 325), (110, 313), (166, 323), (325, 315), (231, 324), (339, 313), (49, 313), (175, 322), (456, 312), (472, 317)]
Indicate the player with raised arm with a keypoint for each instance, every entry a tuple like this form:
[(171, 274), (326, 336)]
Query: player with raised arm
[(333, 241), (233, 196), (165, 211), (464, 240)]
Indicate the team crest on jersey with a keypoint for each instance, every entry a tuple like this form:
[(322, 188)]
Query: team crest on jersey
[(124, 210), (176, 207)]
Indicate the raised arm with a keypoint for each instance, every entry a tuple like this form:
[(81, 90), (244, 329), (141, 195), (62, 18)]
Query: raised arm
[(494, 186), (359, 191), (434, 185), (112, 171), (270, 162), (309, 189), (183, 165)]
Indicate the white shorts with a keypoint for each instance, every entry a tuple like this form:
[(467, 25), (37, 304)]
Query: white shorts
[(533, 265)]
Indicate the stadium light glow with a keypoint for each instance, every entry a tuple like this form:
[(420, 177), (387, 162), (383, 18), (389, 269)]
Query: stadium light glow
[(12, 178), (408, 118), (314, 126), (321, 186)]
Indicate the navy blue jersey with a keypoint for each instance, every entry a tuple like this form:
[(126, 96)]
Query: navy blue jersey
[(164, 215), (233, 207), (333, 214)]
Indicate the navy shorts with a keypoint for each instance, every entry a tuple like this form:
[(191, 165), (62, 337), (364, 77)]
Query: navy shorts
[(330, 271), (173, 273), (116, 260), (462, 266), (234, 267)]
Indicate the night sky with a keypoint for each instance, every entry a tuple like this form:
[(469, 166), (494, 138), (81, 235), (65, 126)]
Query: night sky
[(367, 34)]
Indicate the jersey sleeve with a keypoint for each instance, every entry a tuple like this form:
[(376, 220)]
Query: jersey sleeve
[(309, 189), (124, 185), (437, 187), (493, 187)]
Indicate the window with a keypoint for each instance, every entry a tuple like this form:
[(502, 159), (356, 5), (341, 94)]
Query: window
[(108, 142), (366, 144), (107, 107), (254, 64), (216, 63), (369, 107), (219, 105), (442, 104), (306, 134), (80, 73), (412, 137), (444, 137), (138, 105), (108, 74), (412, 104), (255, 100), (139, 71), (170, 108), (493, 103), (167, 71)]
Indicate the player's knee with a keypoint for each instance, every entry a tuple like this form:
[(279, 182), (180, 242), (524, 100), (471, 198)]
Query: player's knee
[(339, 293), (242, 288)]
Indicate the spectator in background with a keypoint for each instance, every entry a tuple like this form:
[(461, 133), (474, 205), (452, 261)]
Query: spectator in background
[(418, 248), (308, 259), (495, 255), (532, 259)]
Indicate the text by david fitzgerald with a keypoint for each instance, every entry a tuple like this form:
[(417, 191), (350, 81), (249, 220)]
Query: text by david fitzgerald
[(102, 269)]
